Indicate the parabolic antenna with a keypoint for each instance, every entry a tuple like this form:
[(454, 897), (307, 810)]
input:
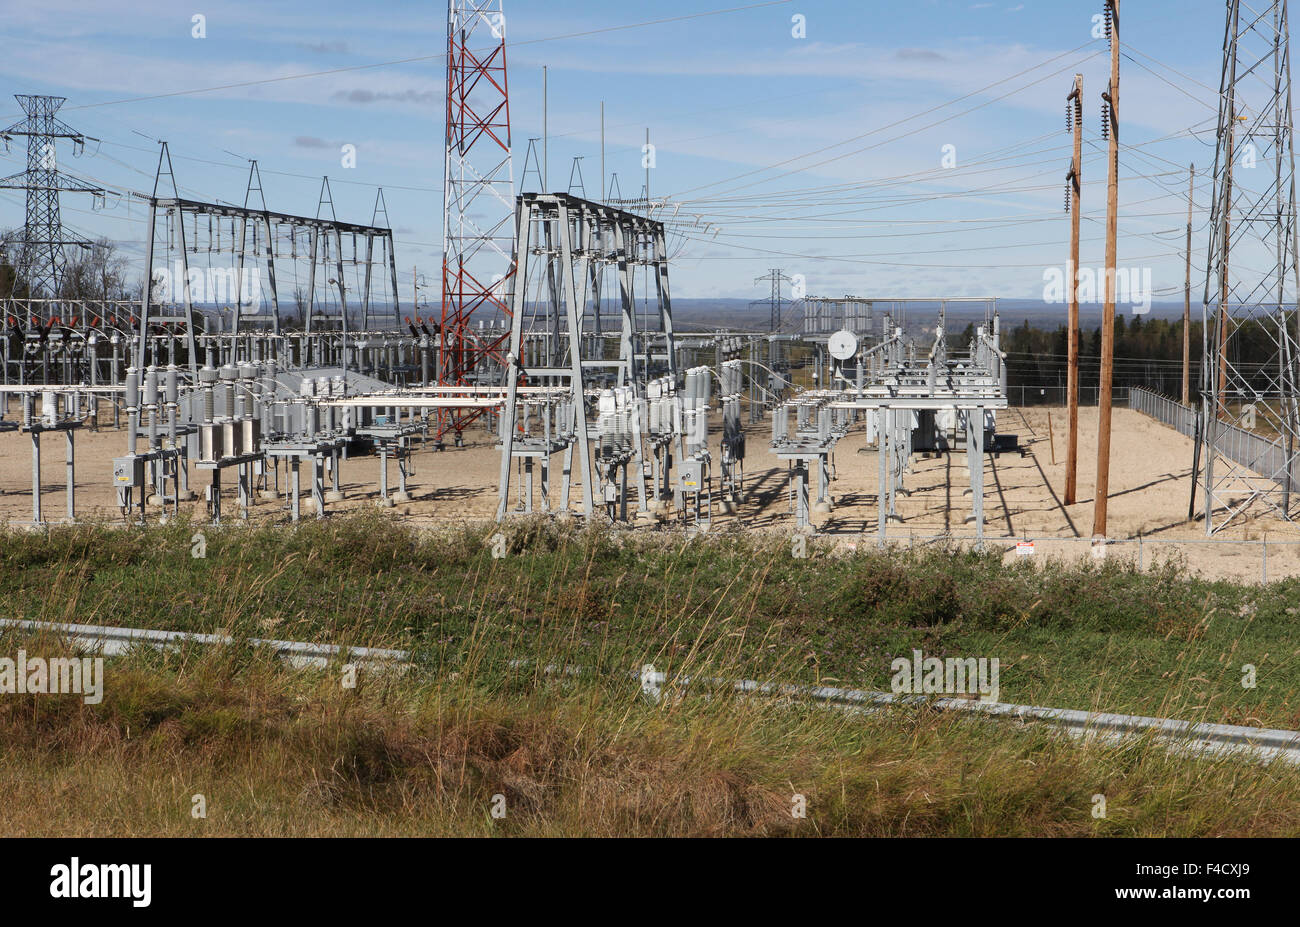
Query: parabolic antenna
[(842, 345)]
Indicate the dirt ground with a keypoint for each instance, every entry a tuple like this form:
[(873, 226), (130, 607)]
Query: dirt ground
[(1150, 489)]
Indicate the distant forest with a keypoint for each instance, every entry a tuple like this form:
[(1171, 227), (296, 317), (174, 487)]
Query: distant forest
[(1148, 353)]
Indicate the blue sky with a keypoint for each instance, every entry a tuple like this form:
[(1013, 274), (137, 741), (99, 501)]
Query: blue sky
[(736, 106)]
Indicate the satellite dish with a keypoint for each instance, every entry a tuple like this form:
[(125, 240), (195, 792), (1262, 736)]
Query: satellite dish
[(842, 345)]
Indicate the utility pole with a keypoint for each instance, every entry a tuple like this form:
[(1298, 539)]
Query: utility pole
[(1187, 296), (646, 158), (602, 151), (1111, 98), (546, 134), (1074, 193)]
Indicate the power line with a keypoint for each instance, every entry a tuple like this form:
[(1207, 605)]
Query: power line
[(418, 58), (891, 125)]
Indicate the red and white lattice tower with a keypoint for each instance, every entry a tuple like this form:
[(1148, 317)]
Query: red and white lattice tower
[(478, 200)]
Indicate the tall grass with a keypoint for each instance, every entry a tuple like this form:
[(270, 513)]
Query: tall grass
[(1081, 635), (274, 751), (522, 686)]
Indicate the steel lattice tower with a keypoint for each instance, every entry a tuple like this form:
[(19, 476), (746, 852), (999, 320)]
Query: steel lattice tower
[(478, 197), (42, 260), (1248, 370), (776, 277)]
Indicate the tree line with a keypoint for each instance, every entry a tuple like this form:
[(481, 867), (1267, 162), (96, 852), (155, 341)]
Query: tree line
[(95, 271), (1148, 353)]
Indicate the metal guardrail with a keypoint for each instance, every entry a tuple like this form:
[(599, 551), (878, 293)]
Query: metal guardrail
[(117, 641), (1194, 738)]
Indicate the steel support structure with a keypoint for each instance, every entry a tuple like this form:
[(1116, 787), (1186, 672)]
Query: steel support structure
[(776, 277), (250, 236), (905, 403), (1248, 367), (42, 260), (477, 199), (559, 238)]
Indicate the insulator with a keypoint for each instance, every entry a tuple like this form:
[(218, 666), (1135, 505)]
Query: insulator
[(151, 387), (1105, 119), (1069, 117), (1108, 12), (1067, 195)]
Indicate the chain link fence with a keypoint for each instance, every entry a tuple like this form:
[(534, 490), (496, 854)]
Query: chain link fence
[(1266, 457), (1025, 395)]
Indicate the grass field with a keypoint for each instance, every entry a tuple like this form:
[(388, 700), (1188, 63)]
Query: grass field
[(278, 751)]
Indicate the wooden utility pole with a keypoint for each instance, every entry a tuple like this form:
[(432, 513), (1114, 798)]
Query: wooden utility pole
[(1075, 180), (546, 131), (1108, 313), (1187, 296)]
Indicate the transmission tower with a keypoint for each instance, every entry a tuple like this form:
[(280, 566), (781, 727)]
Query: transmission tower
[(774, 302), (42, 259), (1248, 370), (478, 198)]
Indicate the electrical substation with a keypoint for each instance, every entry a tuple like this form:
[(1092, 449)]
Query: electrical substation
[(568, 360), (809, 471), (271, 368)]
